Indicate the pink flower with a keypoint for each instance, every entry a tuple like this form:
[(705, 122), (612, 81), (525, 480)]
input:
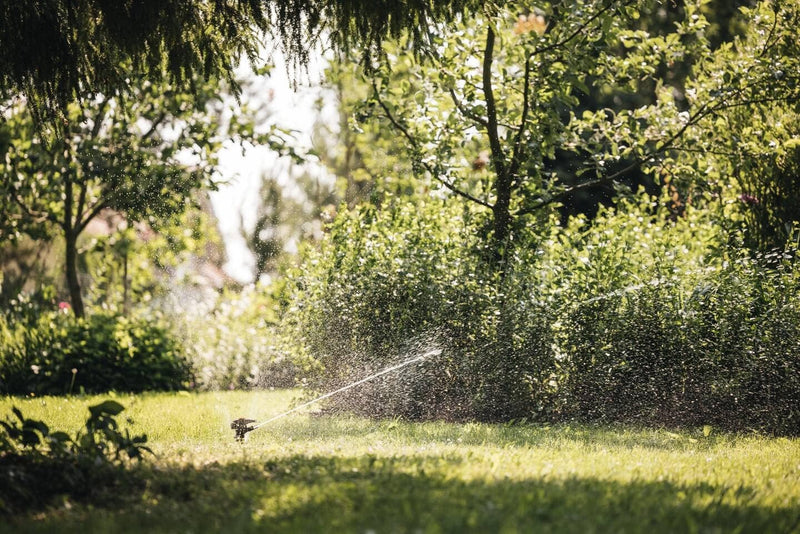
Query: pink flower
[(750, 200), (64, 305)]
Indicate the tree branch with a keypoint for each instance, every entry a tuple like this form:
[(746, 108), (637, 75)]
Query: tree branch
[(35, 215), (154, 126), (767, 43), (415, 144), (491, 106), (580, 29), (81, 203), (516, 159), (93, 212), (466, 112), (98, 119)]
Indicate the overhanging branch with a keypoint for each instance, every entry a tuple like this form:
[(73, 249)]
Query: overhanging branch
[(415, 145), (707, 109), (466, 112)]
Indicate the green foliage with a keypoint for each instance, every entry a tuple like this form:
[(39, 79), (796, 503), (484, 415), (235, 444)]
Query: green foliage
[(635, 317), (739, 132), (659, 326), (529, 105), (237, 342), (37, 464), (139, 159), (607, 320), (770, 200), (116, 156), (56, 353), (754, 173), (365, 156), (394, 283)]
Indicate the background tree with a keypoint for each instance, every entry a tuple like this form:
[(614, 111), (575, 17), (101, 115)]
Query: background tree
[(507, 84), (141, 157)]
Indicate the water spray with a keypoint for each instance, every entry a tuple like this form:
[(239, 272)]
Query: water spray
[(242, 426)]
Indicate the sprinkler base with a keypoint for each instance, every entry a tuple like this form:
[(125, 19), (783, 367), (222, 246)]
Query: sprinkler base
[(242, 426)]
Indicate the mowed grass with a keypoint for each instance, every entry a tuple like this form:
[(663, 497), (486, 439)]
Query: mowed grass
[(308, 473)]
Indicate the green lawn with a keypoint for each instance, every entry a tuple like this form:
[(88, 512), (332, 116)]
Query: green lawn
[(310, 473)]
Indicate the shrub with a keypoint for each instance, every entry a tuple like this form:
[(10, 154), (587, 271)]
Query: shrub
[(57, 354), (236, 344), (727, 354), (660, 327), (632, 318), (395, 283)]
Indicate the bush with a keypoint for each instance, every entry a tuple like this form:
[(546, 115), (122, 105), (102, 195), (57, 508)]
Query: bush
[(57, 354), (698, 336), (632, 318), (393, 284), (236, 344), (726, 354)]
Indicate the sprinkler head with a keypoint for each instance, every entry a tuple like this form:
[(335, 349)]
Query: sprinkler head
[(242, 426)]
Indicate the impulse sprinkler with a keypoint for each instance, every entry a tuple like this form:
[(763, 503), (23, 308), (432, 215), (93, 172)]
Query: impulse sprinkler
[(242, 426)]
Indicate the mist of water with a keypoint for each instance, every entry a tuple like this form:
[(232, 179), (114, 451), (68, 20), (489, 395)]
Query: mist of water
[(434, 352)]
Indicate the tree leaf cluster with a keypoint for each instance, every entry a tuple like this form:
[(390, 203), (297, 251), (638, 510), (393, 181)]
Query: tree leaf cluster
[(53, 51), (605, 95)]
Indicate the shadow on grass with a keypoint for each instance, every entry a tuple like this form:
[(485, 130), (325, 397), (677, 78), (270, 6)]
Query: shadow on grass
[(405, 494), (557, 436)]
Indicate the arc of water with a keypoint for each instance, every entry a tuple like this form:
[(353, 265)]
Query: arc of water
[(614, 293), (400, 365)]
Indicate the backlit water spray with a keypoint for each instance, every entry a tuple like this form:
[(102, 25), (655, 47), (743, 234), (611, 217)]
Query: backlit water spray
[(242, 426)]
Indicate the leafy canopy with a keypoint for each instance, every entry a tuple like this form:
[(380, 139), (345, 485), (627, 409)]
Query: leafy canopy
[(496, 104), (54, 50)]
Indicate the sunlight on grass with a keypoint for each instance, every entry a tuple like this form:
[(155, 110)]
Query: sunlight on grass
[(320, 473)]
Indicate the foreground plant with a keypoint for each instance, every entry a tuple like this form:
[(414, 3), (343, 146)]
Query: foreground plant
[(37, 464)]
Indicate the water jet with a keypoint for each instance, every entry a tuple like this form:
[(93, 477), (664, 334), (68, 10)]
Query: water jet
[(243, 425)]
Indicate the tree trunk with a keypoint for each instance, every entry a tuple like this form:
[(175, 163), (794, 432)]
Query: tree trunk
[(501, 215), (503, 183), (73, 284)]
